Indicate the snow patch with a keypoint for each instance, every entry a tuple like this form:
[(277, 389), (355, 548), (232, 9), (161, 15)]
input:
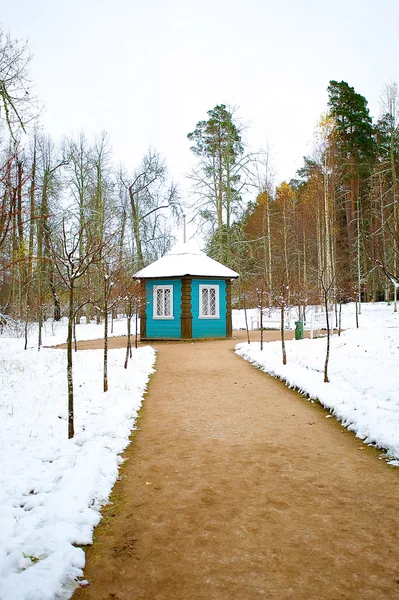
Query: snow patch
[(364, 378), (52, 488)]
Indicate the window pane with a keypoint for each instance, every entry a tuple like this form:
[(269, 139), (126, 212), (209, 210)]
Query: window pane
[(204, 300), (212, 301), (159, 310), (168, 307)]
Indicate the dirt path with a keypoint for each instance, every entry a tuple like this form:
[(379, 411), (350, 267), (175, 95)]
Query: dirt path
[(235, 488)]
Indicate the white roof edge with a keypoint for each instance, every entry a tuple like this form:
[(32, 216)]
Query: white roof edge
[(186, 260), (140, 275)]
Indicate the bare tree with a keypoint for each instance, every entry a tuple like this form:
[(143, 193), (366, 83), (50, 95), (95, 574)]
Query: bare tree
[(71, 265), (281, 300), (375, 249), (327, 284), (247, 298), (6, 200), (80, 181), (109, 300), (149, 193), (50, 164), (16, 100), (132, 298)]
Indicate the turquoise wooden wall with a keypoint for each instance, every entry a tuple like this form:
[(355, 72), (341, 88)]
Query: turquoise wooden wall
[(163, 328), (208, 328)]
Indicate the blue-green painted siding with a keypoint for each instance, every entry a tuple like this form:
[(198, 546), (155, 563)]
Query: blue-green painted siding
[(163, 328), (208, 328)]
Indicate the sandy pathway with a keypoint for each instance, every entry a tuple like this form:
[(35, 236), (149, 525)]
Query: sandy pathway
[(236, 489)]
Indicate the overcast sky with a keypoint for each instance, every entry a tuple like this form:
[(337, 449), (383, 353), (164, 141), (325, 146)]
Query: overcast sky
[(147, 72)]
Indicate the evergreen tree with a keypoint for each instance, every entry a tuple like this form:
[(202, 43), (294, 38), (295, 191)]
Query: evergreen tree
[(355, 153), (353, 123), (218, 179)]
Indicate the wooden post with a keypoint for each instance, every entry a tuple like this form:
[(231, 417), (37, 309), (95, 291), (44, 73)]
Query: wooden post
[(229, 324), (186, 319), (143, 308)]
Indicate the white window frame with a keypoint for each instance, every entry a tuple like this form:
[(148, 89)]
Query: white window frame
[(155, 302), (201, 311)]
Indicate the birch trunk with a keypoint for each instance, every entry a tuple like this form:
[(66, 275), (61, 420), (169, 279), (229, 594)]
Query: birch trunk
[(326, 380)]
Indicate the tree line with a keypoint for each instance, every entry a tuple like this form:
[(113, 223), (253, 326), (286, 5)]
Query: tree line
[(73, 227), (333, 226), (66, 204), (336, 220)]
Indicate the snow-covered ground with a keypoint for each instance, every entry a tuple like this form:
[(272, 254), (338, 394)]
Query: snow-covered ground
[(363, 392), (51, 488), (56, 333)]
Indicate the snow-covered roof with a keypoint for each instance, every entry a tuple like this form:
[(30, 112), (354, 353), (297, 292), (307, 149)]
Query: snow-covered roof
[(186, 259)]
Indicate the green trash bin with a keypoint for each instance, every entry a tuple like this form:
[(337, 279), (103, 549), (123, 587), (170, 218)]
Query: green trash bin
[(299, 330)]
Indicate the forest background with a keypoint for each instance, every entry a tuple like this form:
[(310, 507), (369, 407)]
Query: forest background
[(74, 227)]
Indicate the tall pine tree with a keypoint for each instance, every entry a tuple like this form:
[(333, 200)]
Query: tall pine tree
[(217, 178), (355, 153)]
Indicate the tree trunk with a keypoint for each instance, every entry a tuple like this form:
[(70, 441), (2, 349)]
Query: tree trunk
[(74, 333), (283, 334), (358, 255), (220, 190), (395, 212), (135, 333), (326, 380), (21, 241), (122, 235), (29, 270), (261, 320), (106, 289), (128, 346), (136, 230), (285, 236), (56, 298), (40, 327), (269, 249), (246, 319), (26, 326), (357, 316), (43, 214), (15, 272), (71, 430)]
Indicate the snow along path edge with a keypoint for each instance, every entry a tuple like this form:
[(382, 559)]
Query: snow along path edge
[(52, 488), (370, 412)]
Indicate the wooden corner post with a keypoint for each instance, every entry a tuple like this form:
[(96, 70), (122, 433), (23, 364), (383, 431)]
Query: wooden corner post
[(186, 319), (229, 323), (143, 308)]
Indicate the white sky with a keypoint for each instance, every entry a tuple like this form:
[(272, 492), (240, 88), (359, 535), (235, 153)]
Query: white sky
[(148, 72)]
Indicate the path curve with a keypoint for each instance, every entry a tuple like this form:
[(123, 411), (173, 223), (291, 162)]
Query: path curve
[(236, 488)]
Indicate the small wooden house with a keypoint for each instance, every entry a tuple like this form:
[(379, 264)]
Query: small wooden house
[(188, 296)]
